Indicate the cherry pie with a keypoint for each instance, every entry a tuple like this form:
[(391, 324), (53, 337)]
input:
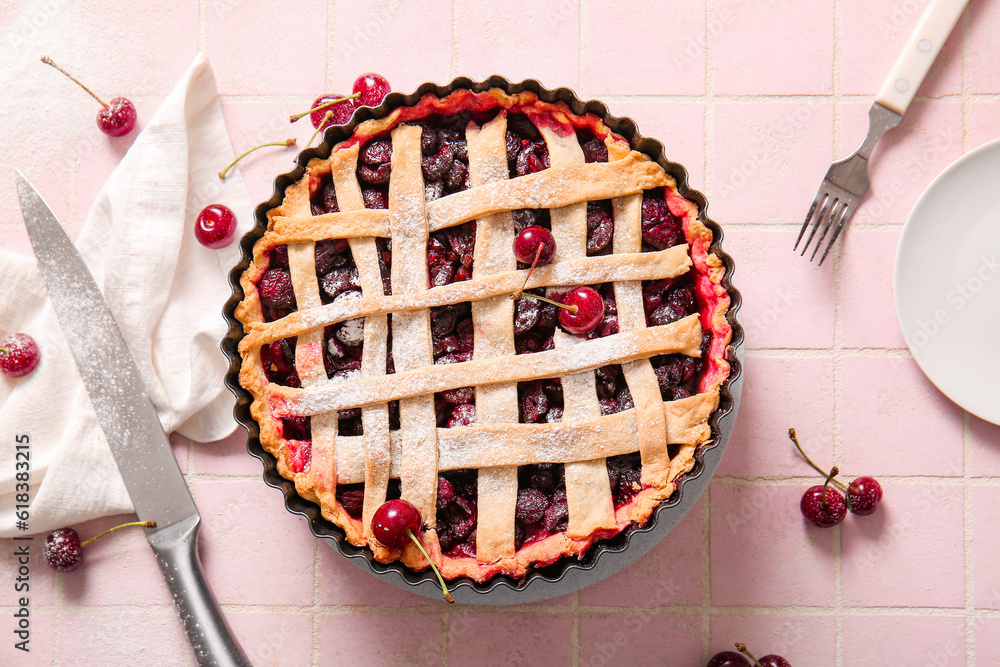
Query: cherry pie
[(386, 356)]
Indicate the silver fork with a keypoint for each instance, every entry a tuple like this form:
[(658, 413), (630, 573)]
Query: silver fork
[(847, 180)]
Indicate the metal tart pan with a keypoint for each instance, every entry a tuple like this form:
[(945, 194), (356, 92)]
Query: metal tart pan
[(605, 557)]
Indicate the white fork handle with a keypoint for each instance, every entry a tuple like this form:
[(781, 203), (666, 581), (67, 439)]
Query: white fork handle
[(921, 49)]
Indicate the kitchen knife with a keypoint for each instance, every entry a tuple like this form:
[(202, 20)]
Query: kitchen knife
[(140, 447)]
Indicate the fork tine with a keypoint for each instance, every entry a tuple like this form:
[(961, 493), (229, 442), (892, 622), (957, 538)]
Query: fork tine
[(848, 213), (812, 209), (836, 210), (818, 221)]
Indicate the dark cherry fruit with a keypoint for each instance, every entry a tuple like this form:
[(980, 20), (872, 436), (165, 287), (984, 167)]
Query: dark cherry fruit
[(215, 226), (395, 522), (588, 314), (343, 108), (529, 241), (116, 118), (18, 355), (63, 550), (824, 515), (372, 89), (863, 496), (770, 660), (727, 659)]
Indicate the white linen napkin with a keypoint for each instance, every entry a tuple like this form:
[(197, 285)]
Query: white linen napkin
[(166, 292)]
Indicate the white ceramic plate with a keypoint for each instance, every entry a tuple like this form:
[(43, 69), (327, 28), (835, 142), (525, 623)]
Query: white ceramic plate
[(947, 282)]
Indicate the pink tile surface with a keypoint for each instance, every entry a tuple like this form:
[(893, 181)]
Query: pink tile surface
[(111, 638), (755, 99), (985, 440), (800, 639), (785, 304), (666, 66), (35, 581), (888, 556), (382, 639), (488, 640), (868, 312), (662, 577), (894, 421), (793, 37), (491, 42), (764, 152), (904, 640), (640, 639), (778, 394), (758, 527), (251, 566), (984, 61), (985, 541), (250, 59), (40, 646), (377, 37)]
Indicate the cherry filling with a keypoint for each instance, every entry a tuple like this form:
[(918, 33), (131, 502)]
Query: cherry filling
[(541, 508)]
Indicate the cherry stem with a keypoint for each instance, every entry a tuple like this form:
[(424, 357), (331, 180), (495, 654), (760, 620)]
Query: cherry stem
[(326, 117), (286, 142), (447, 596), (825, 506), (144, 524), (791, 434), (742, 648), (49, 61), (296, 117)]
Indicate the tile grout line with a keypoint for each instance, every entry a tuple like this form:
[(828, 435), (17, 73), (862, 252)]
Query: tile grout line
[(203, 26), (967, 497), (708, 131), (330, 25), (456, 14), (837, 268), (314, 610)]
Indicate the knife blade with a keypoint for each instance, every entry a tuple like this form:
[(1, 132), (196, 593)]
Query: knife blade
[(133, 431)]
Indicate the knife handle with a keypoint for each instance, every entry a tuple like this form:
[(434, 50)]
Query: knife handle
[(176, 549)]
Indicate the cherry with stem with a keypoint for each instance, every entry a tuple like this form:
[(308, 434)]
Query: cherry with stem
[(327, 116), (116, 118), (325, 105), (394, 522), (286, 142)]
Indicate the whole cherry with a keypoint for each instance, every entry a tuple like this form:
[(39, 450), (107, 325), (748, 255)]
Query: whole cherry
[(18, 355), (823, 505), (863, 496), (770, 660), (63, 550), (395, 522), (584, 310), (727, 659), (534, 245), (215, 226), (341, 108), (372, 89), (116, 118)]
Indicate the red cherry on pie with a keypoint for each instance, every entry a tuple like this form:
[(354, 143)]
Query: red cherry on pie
[(373, 88), (529, 241), (18, 355), (395, 522), (116, 118), (215, 226), (589, 310)]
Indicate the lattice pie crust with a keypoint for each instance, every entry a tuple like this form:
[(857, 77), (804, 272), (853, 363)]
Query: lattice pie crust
[(496, 443)]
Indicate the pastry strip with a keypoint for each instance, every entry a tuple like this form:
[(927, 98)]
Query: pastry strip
[(411, 330), (374, 418), (551, 188), (493, 323), (588, 488), (639, 375), (683, 336), (492, 445)]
